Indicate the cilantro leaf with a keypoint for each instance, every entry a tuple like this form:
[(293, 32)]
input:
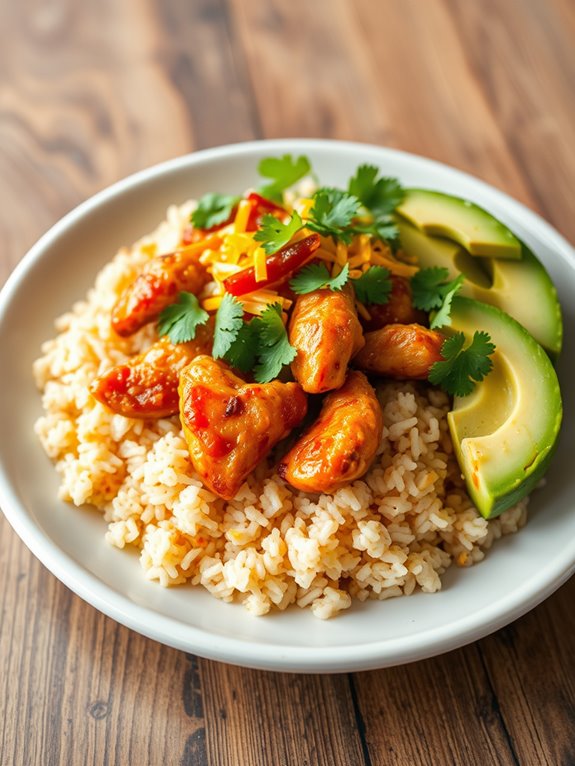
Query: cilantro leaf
[(426, 287), (373, 286), (180, 320), (260, 345), (229, 321), (380, 196), (443, 316), (332, 213), (315, 277), (284, 172), (275, 234), (274, 347), (213, 210), (461, 367), (242, 353)]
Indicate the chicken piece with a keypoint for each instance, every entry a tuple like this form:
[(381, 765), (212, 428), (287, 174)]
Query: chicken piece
[(400, 351), (230, 425), (340, 445), (399, 309), (146, 386), (326, 332), (158, 286)]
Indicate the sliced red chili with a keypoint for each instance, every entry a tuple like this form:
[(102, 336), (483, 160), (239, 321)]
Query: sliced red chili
[(280, 266)]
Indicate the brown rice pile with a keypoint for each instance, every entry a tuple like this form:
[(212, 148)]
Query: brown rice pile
[(395, 531)]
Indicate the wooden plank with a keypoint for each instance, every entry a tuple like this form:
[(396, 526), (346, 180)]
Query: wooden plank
[(74, 681), (260, 718), (440, 711), (521, 54), (199, 53), (531, 666), (307, 76)]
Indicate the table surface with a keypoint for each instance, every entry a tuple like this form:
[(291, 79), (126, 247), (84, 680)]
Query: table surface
[(90, 92)]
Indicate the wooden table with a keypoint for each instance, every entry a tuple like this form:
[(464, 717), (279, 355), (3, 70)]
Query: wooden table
[(90, 92)]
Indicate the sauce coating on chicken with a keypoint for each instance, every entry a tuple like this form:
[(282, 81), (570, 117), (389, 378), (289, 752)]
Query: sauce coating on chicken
[(146, 386), (326, 332), (158, 286), (230, 425), (400, 351), (341, 444)]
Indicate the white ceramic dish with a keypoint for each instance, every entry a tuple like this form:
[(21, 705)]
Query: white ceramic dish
[(518, 573)]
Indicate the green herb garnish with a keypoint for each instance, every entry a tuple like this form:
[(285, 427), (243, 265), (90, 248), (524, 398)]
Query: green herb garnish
[(315, 277), (229, 320), (260, 345), (430, 291), (462, 367), (332, 213), (379, 195), (273, 349), (213, 210), (275, 234), (284, 172), (180, 320), (373, 286)]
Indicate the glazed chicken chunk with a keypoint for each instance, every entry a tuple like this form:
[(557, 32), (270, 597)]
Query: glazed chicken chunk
[(404, 351), (341, 444), (230, 425), (146, 386), (326, 332), (158, 286)]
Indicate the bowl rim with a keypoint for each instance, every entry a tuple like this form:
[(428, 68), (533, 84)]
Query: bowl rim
[(258, 655)]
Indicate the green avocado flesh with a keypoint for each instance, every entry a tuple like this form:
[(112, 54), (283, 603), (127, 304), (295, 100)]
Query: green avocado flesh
[(460, 220), (504, 433), (521, 288)]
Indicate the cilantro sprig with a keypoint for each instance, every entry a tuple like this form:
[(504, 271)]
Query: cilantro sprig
[(213, 210), (260, 345), (283, 172), (229, 320), (379, 195), (180, 320), (332, 214), (431, 290), (315, 277), (335, 212), (274, 349), (373, 286), (275, 234), (463, 367)]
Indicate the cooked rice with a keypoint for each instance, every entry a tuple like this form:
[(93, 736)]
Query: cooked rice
[(392, 532)]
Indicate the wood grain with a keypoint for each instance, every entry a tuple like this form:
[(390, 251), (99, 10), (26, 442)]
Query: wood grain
[(90, 92)]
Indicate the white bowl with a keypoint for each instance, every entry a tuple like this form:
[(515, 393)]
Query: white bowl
[(519, 572)]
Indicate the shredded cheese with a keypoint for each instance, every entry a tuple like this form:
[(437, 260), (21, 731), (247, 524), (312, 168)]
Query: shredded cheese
[(363, 311), (212, 304), (261, 270), (341, 253), (401, 269), (242, 215)]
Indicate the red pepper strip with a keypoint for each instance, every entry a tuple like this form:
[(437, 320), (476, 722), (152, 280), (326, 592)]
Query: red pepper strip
[(280, 266), (261, 206)]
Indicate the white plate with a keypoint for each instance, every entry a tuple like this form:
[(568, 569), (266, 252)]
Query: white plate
[(519, 572)]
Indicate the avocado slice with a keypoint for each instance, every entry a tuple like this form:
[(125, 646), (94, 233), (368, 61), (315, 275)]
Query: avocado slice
[(478, 231), (521, 288), (504, 432)]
